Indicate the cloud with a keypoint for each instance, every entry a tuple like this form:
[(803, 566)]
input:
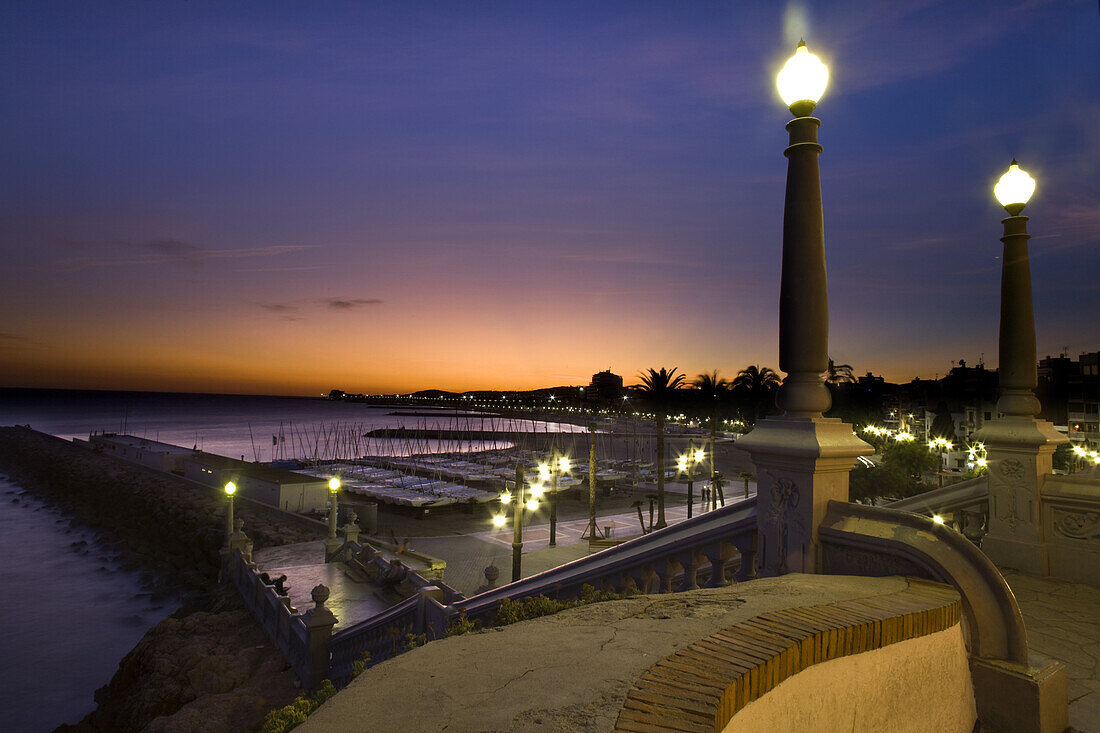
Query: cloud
[(348, 304), (278, 307), (15, 341), (161, 251)]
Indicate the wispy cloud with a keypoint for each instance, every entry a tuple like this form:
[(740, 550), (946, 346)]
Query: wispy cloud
[(161, 251), (17, 341), (349, 303)]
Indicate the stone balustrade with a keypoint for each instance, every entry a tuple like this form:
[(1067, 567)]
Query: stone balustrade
[(700, 552)]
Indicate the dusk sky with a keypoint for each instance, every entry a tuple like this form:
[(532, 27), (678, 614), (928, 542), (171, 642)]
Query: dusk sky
[(291, 197)]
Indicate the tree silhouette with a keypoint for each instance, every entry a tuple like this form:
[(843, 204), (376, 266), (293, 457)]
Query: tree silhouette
[(838, 373), (657, 388), (758, 384)]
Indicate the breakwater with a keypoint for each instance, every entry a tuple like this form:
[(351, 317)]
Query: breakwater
[(208, 666)]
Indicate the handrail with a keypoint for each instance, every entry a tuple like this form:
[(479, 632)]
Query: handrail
[(877, 541), (678, 549), (714, 526), (963, 495)]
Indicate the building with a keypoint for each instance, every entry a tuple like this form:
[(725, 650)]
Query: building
[(154, 454), (1083, 406), (605, 386), (294, 492)]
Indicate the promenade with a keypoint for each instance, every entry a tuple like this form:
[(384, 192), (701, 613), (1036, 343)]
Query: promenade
[(466, 555)]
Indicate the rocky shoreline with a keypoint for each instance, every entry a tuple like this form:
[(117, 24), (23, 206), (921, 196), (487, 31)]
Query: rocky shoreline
[(209, 666)]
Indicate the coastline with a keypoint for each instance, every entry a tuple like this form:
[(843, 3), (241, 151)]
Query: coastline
[(209, 664)]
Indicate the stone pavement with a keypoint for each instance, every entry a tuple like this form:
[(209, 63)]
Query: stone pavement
[(1063, 623)]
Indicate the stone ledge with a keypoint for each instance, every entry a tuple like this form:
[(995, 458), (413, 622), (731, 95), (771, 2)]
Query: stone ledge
[(701, 687)]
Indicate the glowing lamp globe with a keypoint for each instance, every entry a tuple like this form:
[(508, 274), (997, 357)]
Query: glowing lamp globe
[(532, 505), (699, 456), (802, 81), (1014, 189), (334, 485), (506, 498), (498, 520), (564, 465), (230, 488)]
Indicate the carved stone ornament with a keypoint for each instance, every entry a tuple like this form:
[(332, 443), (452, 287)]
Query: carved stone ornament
[(784, 500), (1077, 525), (1012, 469)]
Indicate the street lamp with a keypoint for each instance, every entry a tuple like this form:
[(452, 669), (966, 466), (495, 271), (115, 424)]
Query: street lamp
[(332, 543), (230, 490), (519, 503), (686, 463), (803, 297), (1018, 376), (558, 464)]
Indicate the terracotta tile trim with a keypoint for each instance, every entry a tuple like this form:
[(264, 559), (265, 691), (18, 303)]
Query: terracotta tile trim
[(700, 687)]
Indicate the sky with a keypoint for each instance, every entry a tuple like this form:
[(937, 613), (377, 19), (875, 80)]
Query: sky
[(285, 198)]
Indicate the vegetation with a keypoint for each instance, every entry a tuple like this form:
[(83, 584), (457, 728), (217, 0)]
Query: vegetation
[(838, 373), (509, 611), (899, 476), (657, 387), (289, 717), (758, 384)]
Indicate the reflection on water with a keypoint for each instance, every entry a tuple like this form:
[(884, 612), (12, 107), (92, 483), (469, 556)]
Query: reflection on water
[(71, 615)]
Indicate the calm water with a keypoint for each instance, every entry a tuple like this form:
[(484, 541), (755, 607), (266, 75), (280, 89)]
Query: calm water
[(257, 428), (73, 615)]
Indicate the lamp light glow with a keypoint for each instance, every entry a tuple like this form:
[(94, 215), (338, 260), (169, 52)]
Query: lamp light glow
[(532, 504), (564, 465), (537, 490), (230, 488), (506, 498), (937, 519), (544, 472), (1014, 189), (699, 456), (334, 484), (498, 520), (802, 80)]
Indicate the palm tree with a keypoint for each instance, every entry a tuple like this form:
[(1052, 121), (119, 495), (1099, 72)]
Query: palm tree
[(656, 387), (838, 373), (712, 388), (757, 383)]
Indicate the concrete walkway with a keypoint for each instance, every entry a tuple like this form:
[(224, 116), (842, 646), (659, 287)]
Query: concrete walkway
[(1063, 623)]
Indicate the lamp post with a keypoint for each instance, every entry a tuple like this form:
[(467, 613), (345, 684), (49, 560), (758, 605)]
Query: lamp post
[(1019, 448), (230, 490), (332, 543), (549, 471), (686, 463), (518, 503), (802, 458)]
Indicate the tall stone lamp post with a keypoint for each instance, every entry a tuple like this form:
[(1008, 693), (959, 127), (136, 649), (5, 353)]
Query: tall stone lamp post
[(802, 458), (1019, 447), (332, 542)]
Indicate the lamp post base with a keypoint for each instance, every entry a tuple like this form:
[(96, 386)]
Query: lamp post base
[(802, 463)]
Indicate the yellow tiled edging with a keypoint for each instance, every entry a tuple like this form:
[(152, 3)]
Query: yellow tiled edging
[(702, 686)]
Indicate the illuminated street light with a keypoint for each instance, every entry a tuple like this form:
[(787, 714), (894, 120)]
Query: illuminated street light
[(518, 504), (557, 464), (332, 543), (686, 463), (230, 490), (802, 81), (1014, 189)]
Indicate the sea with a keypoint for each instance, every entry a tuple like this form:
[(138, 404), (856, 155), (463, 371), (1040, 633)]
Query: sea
[(73, 614)]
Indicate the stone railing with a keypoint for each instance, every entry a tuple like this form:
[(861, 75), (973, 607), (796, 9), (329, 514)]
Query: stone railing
[(964, 506), (700, 552), (1071, 526), (303, 638)]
